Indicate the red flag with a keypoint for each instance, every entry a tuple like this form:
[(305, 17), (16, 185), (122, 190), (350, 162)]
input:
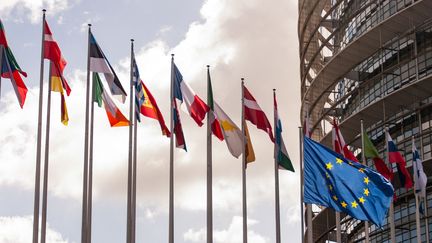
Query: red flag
[(395, 157), (254, 113), (150, 109), (339, 145)]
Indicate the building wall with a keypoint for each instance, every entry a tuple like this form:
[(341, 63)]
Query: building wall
[(370, 60)]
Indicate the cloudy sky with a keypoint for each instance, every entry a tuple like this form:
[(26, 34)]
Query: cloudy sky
[(255, 39)]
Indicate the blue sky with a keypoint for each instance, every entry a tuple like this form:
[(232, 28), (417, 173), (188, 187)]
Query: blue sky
[(254, 39)]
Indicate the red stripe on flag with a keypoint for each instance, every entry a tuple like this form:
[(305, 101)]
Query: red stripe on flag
[(198, 110)]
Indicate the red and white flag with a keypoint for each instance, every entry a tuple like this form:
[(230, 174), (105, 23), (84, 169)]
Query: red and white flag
[(183, 92), (254, 113), (339, 145)]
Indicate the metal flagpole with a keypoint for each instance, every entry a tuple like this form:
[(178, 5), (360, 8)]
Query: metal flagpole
[(301, 182), (90, 169), (134, 162), (338, 227), (171, 169), (366, 223), (391, 211), (129, 186), (209, 162), (244, 203), (425, 201), (86, 147), (1, 64), (39, 141), (418, 226), (276, 179), (45, 174)]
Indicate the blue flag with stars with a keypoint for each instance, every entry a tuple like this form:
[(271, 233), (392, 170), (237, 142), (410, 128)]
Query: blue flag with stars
[(336, 182)]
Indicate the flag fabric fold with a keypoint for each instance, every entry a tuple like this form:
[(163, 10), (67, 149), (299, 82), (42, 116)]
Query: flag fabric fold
[(254, 113), (395, 157), (10, 68), (420, 178), (52, 52), (280, 152), (178, 130), (215, 124), (115, 117), (232, 134), (339, 145), (370, 152), (183, 92), (336, 182), (100, 64)]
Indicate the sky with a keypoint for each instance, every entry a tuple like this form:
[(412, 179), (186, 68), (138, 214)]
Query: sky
[(254, 39)]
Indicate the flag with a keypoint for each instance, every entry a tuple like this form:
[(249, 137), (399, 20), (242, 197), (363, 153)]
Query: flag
[(249, 151), (254, 113), (280, 153), (339, 145), (395, 157), (178, 130), (139, 92), (58, 82), (150, 109), (183, 92), (232, 134), (115, 117), (420, 178), (215, 124), (57, 85), (100, 64), (10, 68), (336, 182), (370, 152)]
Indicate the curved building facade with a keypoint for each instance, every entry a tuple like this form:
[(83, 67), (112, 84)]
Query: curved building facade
[(371, 61)]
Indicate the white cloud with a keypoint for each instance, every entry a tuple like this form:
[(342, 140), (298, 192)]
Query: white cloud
[(31, 9), (232, 234), (19, 230)]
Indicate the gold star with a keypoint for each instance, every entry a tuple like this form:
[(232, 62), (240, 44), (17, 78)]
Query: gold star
[(350, 163), (344, 204), (335, 198), (329, 166), (327, 175), (330, 187), (361, 170), (354, 204), (362, 200), (366, 191), (339, 161), (366, 180)]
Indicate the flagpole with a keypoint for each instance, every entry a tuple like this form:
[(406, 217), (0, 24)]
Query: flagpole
[(425, 201), (90, 170), (209, 166), (366, 223), (171, 169), (134, 159), (245, 238), (85, 172), (276, 179), (301, 184), (391, 211), (45, 174), (1, 64), (129, 186), (39, 141), (418, 226)]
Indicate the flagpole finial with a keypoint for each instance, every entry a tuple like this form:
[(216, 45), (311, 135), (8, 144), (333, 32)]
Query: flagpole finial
[(208, 66), (274, 90), (44, 10), (89, 25), (132, 40)]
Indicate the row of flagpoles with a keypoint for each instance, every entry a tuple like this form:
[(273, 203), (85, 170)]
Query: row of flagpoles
[(141, 102), (394, 157)]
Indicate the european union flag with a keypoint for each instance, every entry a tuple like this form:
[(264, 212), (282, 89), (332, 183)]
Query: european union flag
[(350, 187)]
